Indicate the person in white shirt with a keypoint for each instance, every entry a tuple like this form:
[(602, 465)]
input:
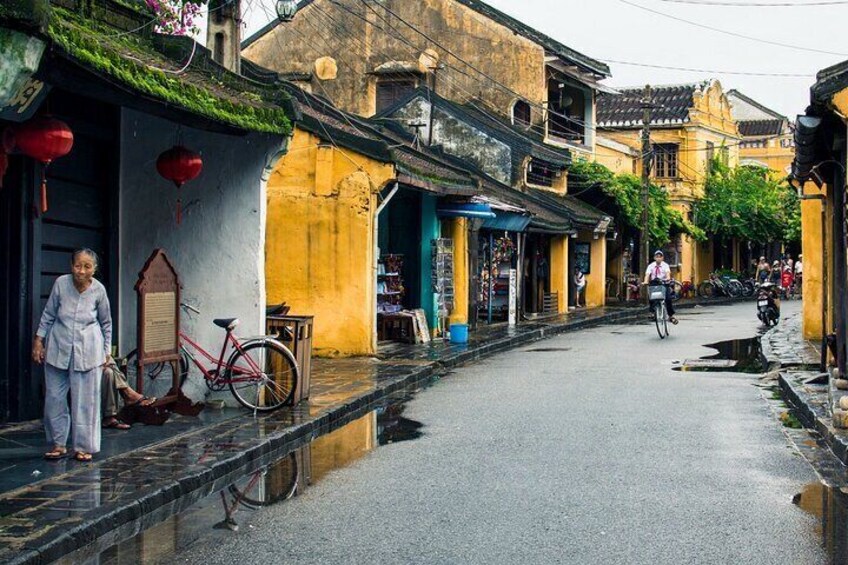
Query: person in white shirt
[(659, 270), (799, 266)]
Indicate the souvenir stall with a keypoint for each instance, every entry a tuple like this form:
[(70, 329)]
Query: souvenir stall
[(499, 263)]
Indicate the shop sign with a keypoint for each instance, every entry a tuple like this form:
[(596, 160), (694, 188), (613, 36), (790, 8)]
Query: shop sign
[(158, 292), (25, 101), (513, 297)]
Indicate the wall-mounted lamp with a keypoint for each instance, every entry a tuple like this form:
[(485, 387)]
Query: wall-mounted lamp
[(286, 9)]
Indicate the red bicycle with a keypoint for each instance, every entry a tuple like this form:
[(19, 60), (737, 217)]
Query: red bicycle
[(261, 373)]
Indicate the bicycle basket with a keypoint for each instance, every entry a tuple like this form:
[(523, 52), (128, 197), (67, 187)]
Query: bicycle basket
[(656, 292)]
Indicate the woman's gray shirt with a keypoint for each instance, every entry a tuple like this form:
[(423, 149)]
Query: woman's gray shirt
[(77, 325)]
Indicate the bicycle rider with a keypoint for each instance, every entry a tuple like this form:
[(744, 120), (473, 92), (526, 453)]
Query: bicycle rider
[(659, 270)]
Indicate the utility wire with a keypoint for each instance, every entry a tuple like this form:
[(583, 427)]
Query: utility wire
[(732, 33), (759, 4), (710, 71)]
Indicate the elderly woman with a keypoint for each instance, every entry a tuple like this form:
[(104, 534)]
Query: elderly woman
[(77, 327)]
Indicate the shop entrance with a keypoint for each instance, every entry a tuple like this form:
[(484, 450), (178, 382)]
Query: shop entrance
[(36, 249), (406, 229), (498, 257), (537, 297)]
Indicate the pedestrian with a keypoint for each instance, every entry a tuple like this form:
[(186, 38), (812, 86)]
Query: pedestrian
[(775, 273), (787, 279), (763, 271), (74, 341), (579, 287), (799, 273)]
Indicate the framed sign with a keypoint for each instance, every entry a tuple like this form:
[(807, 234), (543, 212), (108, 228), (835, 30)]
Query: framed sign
[(158, 294), (583, 257)]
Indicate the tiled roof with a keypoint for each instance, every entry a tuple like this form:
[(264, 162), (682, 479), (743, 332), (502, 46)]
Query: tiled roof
[(759, 128), (830, 81), (671, 106)]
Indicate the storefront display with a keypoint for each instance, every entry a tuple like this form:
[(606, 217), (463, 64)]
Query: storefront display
[(498, 256), (390, 289)]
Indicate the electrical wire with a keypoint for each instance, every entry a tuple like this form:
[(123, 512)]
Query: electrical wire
[(732, 33), (815, 3), (711, 71)]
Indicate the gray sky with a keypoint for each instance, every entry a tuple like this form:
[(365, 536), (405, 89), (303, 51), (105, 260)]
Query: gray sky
[(612, 29)]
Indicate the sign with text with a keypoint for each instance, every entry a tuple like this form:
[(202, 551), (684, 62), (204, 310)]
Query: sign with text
[(158, 290), (513, 297)]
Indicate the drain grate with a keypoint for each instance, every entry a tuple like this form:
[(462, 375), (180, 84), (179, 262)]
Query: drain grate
[(548, 349)]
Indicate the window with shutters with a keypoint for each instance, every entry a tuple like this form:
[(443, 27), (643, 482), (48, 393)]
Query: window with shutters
[(665, 160), (390, 92)]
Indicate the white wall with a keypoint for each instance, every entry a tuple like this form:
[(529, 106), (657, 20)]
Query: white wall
[(218, 250)]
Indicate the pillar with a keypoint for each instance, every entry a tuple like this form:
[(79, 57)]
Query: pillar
[(458, 232), (811, 248), (559, 270)]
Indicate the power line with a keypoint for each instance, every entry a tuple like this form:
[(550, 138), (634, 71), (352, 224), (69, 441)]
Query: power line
[(759, 4), (710, 71), (732, 33)]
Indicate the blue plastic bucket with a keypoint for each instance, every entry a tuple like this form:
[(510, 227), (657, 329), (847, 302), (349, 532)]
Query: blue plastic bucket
[(459, 333)]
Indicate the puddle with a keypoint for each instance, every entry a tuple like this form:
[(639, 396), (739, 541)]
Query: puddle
[(829, 505), (216, 518), (548, 349), (734, 356)]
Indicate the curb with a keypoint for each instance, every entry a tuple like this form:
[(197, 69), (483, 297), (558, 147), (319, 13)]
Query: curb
[(111, 524)]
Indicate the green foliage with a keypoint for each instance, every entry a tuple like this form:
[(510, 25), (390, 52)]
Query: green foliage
[(747, 203), (626, 192), (123, 58)]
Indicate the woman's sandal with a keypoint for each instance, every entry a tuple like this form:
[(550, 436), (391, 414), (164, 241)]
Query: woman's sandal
[(56, 453), (116, 424), (82, 457)]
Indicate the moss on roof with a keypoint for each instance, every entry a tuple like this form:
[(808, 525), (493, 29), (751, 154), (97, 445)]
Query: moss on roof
[(133, 60)]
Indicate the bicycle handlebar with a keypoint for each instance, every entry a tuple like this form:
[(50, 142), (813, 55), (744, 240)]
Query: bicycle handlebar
[(189, 307)]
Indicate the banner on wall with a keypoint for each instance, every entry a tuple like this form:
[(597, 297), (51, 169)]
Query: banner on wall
[(513, 297)]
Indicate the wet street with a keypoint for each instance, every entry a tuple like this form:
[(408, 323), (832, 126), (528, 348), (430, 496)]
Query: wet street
[(591, 447)]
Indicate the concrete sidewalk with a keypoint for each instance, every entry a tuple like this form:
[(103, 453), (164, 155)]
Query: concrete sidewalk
[(797, 361), (150, 473)]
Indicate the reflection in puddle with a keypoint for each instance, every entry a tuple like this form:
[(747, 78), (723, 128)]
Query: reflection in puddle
[(830, 506), (215, 518), (734, 356)]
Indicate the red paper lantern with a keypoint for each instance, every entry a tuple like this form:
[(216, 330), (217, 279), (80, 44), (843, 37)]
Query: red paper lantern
[(44, 139), (179, 165)]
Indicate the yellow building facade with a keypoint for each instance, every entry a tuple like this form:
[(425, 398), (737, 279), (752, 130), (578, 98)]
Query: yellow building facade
[(319, 247), (691, 124)]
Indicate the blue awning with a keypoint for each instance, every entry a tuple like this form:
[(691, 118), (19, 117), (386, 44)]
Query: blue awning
[(465, 210), (507, 221)]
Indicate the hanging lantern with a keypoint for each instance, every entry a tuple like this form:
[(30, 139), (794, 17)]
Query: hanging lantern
[(179, 165), (44, 139)]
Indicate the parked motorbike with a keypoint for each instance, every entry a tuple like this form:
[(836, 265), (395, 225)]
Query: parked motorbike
[(768, 309)]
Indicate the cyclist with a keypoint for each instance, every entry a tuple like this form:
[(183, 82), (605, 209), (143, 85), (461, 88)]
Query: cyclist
[(659, 270)]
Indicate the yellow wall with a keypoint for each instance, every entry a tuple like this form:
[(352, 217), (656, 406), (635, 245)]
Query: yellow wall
[(811, 248), (596, 280), (458, 231), (616, 159), (362, 48), (560, 275), (320, 242), (776, 158)]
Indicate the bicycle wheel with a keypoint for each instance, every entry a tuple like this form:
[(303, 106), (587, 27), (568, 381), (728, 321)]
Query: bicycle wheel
[(158, 378), (279, 482), (659, 319), (734, 289), (676, 290), (706, 289), (263, 376)]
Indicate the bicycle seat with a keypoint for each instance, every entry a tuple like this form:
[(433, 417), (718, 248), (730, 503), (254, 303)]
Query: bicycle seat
[(226, 323)]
